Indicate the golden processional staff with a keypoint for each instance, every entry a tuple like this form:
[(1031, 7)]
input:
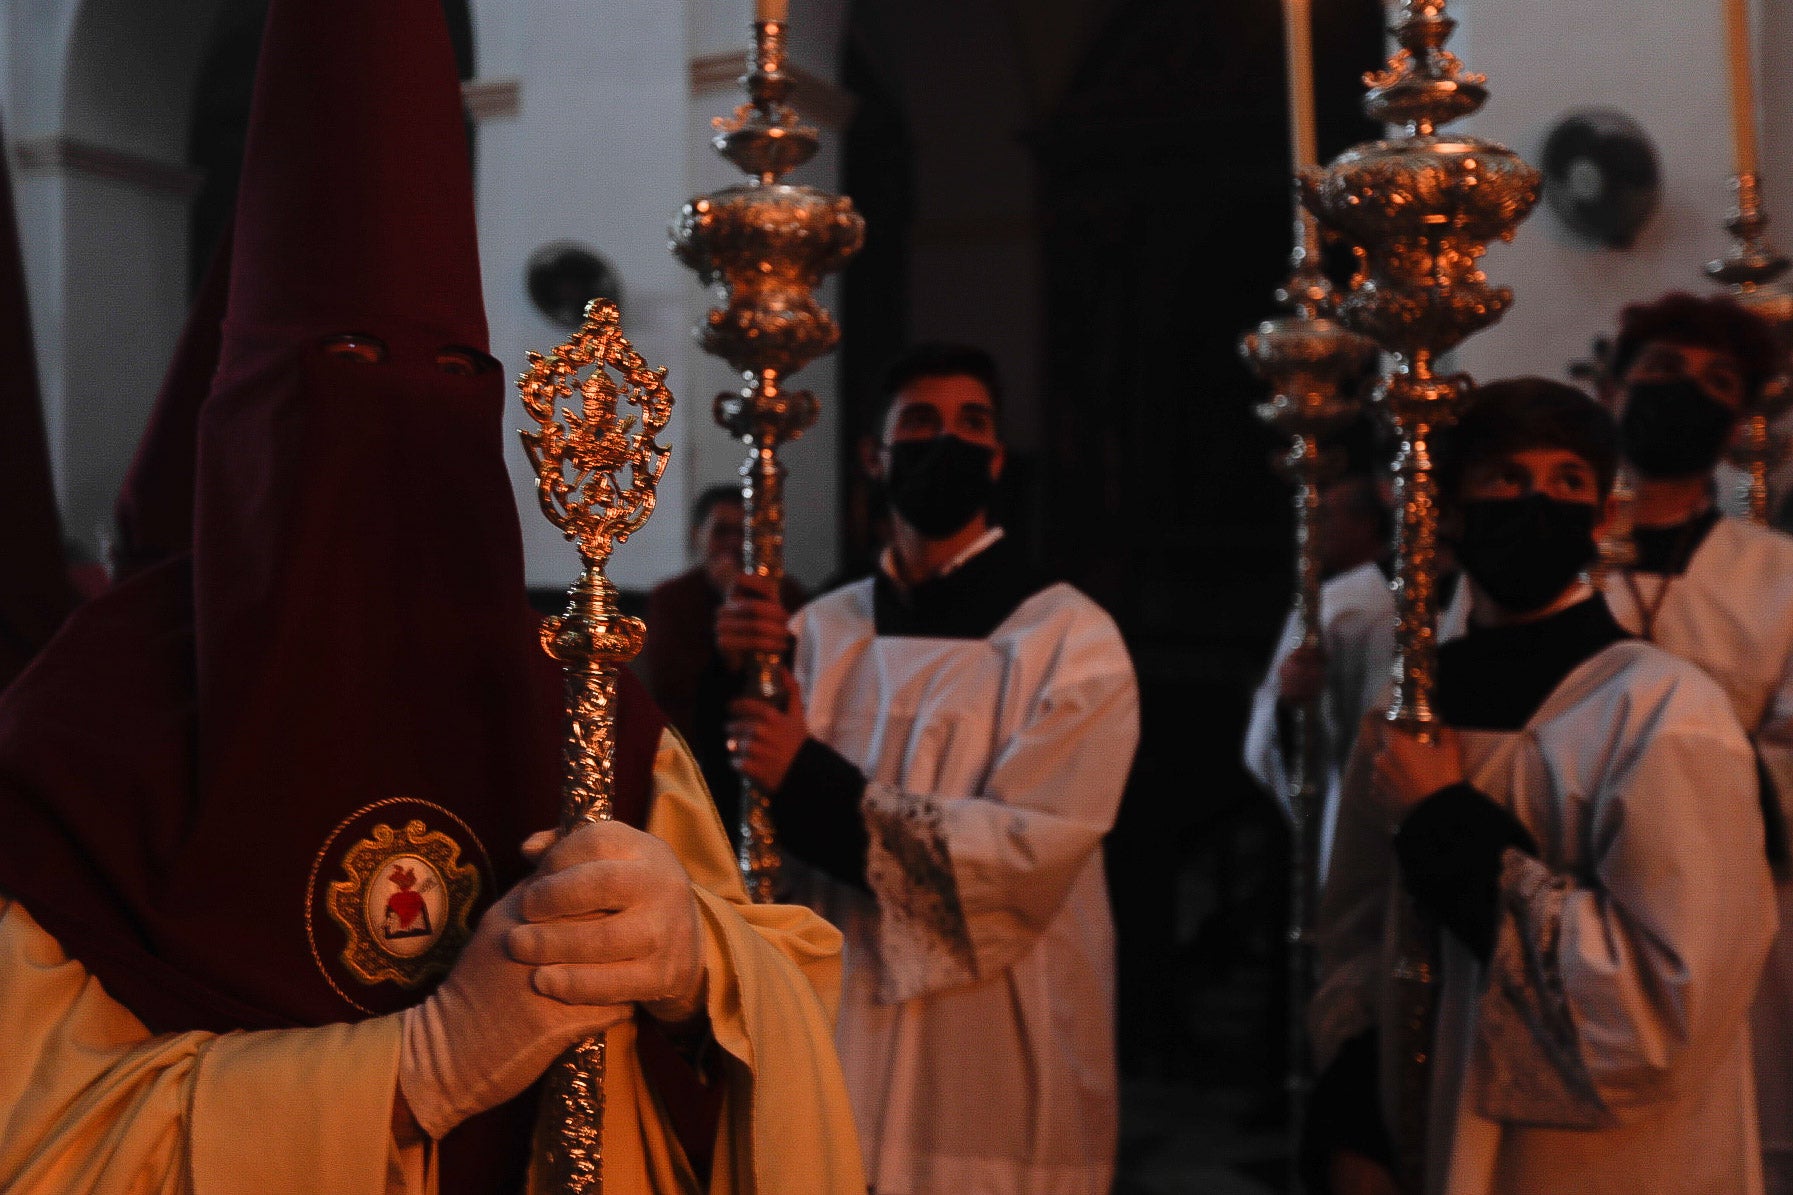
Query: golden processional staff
[(1751, 268), (767, 244), (580, 460), (1308, 358), (1421, 208)]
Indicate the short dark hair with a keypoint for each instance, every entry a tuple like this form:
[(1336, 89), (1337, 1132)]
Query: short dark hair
[(709, 500), (1717, 322), (938, 359), (1517, 414)]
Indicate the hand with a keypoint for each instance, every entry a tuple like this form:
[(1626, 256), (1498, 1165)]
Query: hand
[(609, 918), (1352, 1173), (1408, 770), (752, 618), (485, 1034), (1302, 677), (763, 740)]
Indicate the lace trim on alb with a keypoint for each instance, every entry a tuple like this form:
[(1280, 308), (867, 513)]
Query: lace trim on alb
[(923, 940), (1528, 1048)]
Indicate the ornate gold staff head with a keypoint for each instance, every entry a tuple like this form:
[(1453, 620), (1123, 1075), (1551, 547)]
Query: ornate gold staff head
[(579, 458)]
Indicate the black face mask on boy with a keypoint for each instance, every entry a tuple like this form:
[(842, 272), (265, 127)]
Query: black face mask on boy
[(1673, 428), (1524, 552), (939, 485)]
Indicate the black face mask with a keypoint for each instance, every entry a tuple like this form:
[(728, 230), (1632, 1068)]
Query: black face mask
[(1673, 428), (1524, 552), (939, 485)]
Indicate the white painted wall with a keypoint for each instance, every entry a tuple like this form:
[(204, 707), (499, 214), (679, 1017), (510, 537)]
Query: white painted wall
[(1662, 62), (593, 157)]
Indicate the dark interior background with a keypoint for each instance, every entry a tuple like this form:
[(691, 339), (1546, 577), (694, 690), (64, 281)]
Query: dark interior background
[(1156, 134)]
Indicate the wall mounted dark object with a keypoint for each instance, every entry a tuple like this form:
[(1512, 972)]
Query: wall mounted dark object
[(563, 276), (1601, 176)]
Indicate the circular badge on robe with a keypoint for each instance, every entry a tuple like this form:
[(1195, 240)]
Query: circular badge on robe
[(391, 901)]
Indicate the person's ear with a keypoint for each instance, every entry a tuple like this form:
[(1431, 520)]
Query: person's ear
[(1450, 523), (1607, 516), (999, 458), (871, 457)]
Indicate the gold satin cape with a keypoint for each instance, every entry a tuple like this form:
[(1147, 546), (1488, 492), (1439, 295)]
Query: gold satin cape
[(90, 1102)]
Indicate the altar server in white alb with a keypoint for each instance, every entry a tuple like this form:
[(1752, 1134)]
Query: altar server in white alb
[(1587, 831), (942, 789), (1715, 590), (1350, 669)]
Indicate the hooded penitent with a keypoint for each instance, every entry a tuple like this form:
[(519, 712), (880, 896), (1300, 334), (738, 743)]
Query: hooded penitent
[(275, 786), (153, 516), (35, 595)]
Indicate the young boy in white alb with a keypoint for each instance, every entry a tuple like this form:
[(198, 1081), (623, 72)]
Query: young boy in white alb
[(1585, 829)]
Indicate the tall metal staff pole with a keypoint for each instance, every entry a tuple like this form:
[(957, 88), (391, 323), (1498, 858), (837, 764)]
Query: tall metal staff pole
[(1307, 358), (767, 244), (580, 459), (1421, 207), (1751, 269)]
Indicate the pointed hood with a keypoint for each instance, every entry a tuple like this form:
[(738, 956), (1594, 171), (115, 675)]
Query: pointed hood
[(153, 516), (355, 210), (365, 652), (35, 594), (326, 735)]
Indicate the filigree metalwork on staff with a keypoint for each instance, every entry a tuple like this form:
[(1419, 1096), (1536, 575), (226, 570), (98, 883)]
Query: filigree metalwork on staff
[(580, 458)]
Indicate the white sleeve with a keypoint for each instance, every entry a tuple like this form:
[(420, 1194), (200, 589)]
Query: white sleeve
[(1615, 991), (1354, 904), (1263, 733), (94, 1103), (965, 886), (1774, 740)]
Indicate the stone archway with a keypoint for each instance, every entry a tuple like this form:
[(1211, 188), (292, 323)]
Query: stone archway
[(120, 194)]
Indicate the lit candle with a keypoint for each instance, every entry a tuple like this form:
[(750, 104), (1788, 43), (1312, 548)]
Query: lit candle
[(1743, 85), (771, 10), (1298, 19)]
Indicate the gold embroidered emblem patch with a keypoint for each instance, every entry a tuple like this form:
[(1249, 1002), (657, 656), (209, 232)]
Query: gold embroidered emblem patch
[(403, 904)]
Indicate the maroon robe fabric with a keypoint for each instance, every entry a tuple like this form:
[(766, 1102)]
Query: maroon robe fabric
[(348, 648), (35, 594)]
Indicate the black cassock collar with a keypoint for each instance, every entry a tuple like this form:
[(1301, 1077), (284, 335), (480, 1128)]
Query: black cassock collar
[(968, 603), (1495, 678), (1668, 550)]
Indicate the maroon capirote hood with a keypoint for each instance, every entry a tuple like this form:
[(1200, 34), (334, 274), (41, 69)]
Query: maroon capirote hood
[(35, 594)]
